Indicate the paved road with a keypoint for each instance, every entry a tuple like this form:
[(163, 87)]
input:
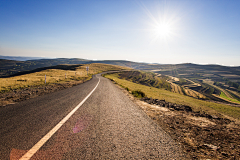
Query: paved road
[(107, 126)]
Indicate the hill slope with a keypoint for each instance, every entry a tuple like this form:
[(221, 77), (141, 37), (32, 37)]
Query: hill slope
[(11, 67)]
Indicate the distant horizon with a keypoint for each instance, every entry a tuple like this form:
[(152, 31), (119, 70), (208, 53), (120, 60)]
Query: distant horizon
[(32, 58)]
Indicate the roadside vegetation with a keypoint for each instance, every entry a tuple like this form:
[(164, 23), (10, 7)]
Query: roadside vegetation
[(138, 94), (59, 74), (162, 94), (18, 88)]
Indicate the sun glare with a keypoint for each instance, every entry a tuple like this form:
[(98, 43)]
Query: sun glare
[(163, 30), (163, 24)]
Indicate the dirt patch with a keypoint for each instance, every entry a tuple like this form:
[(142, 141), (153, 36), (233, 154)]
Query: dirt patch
[(202, 136), (18, 95), (200, 121)]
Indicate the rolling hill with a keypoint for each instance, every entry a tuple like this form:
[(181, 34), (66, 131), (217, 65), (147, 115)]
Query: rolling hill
[(11, 67), (216, 82)]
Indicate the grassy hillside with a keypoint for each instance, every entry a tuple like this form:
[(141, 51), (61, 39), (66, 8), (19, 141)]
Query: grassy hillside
[(197, 105), (146, 78), (55, 74), (158, 81)]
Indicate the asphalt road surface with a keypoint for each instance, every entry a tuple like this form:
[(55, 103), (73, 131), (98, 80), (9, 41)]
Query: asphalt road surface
[(108, 125)]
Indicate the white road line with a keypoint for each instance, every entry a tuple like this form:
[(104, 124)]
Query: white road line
[(38, 145)]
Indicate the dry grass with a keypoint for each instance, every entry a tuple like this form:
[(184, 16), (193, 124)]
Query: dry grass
[(55, 76), (177, 89), (233, 92), (193, 93), (208, 81)]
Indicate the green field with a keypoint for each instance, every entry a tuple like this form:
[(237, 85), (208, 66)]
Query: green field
[(223, 95), (197, 105)]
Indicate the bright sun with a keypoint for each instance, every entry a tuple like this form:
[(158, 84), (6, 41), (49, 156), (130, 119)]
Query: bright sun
[(163, 30), (164, 24)]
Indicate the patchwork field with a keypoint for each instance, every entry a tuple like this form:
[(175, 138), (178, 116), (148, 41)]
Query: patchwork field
[(182, 86), (225, 94)]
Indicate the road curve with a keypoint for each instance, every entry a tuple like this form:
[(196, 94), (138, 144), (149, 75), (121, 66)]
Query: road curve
[(107, 126)]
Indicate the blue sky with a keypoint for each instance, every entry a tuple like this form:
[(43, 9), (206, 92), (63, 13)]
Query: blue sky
[(201, 31)]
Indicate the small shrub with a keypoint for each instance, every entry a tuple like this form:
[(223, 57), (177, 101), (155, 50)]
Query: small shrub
[(22, 80), (138, 94)]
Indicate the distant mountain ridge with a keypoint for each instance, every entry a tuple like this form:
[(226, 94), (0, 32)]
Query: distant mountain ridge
[(20, 58), (11, 67)]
